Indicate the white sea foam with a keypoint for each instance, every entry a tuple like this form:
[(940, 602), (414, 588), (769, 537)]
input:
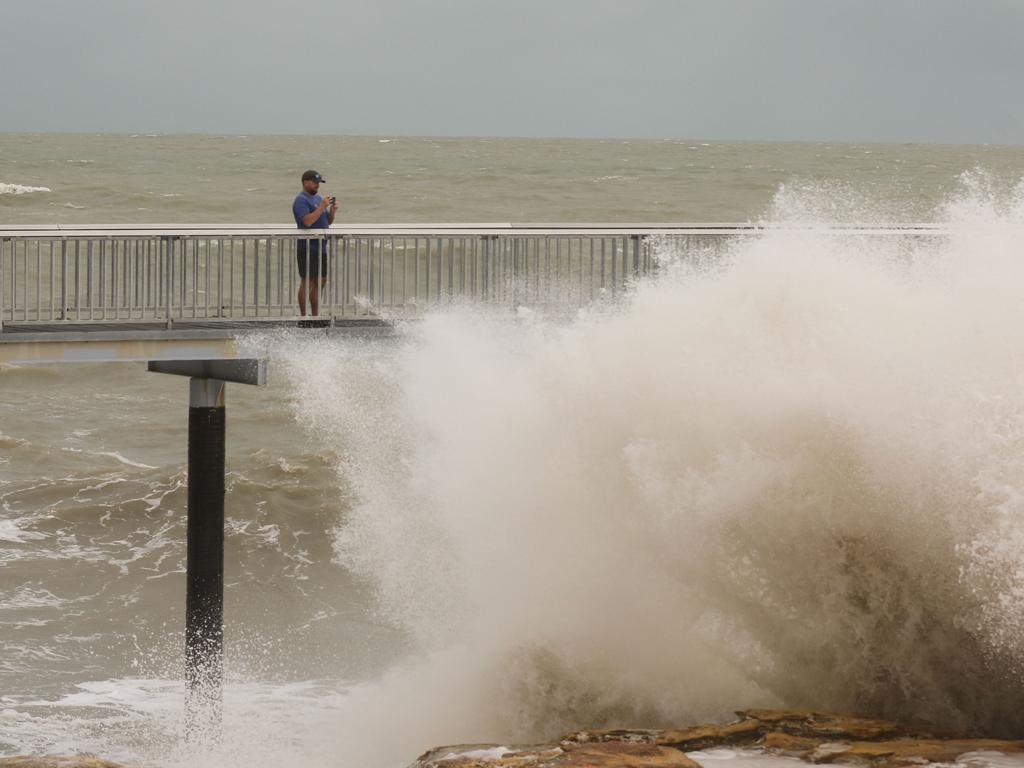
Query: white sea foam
[(20, 189), (990, 759), (124, 460), (10, 530), (745, 758), (789, 476), (28, 597), (495, 753), (263, 723)]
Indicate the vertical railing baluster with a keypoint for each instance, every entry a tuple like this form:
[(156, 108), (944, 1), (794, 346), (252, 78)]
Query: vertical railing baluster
[(3, 294), (88, 279), (231, 278), (451, 268), (391, 242), (78, 279), (125, 273), (169, 288), (280, 277), (131, 276), (183, 276), (615, 252), (346, 249), (268, 294), (51, 280), (14, 279), (103, 276), (371, 272), (547, 269), (39, 279), (474, 243), (14, 276), (426, 294), (114, 294), (380, 276), (220, 278), (355, 277), (195, 278), (404, 274), (245, 274), (147, 283), (414, 292), (335, 289)]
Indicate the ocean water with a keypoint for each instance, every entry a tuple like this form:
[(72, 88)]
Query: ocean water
[(97, 179), (792, 476)]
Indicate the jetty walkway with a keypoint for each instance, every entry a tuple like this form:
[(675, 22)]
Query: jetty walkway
[(174, 292)]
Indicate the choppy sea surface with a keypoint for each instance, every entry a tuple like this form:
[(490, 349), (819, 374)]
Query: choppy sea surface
[(95, 179), (790, 476)]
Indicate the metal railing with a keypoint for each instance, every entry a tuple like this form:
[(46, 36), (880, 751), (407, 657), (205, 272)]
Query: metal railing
[(170, 275)]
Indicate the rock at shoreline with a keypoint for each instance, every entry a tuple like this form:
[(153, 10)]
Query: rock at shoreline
[(605, 755), (816, 737)]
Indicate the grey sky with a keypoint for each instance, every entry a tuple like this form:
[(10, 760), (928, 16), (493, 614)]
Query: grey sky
[(867, 70)]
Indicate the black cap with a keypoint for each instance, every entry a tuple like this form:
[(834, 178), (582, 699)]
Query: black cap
[(314, 175)]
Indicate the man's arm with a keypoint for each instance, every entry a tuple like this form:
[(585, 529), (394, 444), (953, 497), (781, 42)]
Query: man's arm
[(311, 218)]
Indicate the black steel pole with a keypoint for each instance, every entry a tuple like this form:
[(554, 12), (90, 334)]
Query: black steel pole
[(204, 601)]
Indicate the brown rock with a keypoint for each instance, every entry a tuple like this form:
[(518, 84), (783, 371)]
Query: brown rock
[(606, 755), (624, 735), (697, 737), (817, 737), (805, 722), (621, 755), (788, 744), (754, 727), (747, 731)]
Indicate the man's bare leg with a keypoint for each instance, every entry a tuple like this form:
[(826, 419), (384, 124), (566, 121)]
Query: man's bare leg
[(314, 298), (302, 298)]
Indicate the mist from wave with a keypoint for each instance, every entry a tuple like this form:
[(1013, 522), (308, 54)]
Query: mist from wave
[(790, 476)]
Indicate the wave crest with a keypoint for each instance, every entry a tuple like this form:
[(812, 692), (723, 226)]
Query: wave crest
[(20, 189)]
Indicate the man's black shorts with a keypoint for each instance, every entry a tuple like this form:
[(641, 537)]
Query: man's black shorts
[(318, 252)]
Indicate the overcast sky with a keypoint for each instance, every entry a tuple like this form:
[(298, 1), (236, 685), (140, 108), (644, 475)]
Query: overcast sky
[(862, 70)]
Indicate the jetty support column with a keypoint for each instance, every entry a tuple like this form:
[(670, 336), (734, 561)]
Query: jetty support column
[(204, 599)]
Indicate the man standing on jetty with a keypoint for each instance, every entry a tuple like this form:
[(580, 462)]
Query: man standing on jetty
[(312, 211)]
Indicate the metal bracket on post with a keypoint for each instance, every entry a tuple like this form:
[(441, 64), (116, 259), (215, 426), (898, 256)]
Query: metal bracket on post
[(204, 599), (239, 371)]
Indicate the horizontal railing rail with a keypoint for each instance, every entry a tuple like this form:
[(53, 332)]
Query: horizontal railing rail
[(158, 273)]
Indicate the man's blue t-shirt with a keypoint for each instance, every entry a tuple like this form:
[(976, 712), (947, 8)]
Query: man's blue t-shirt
[(304, 205)]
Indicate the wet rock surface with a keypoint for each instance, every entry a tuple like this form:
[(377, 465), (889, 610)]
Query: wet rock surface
[(816, 737), (613, 754)]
